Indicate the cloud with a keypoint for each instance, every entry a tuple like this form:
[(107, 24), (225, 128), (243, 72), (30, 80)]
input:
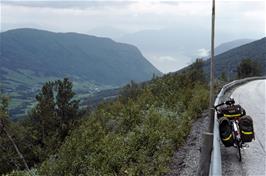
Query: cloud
[(255, 14), (203, 52), (82, 16), (170, 8), (167, 58), (68, 4), (168, 63), (60, 18), (139, 7)]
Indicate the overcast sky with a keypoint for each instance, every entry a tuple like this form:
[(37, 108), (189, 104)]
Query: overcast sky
[(81, 16), (242, 17)]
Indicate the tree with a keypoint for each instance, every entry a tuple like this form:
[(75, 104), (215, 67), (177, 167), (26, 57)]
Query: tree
[(196, 73), (3, 110), (130, 91), (4, 124), (67, 108), (223, 77), (43, 132), (248, 68), (44, 113), (53, 116), (55, 110)]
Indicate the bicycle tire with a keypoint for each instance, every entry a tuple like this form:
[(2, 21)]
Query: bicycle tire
[(239, 151)]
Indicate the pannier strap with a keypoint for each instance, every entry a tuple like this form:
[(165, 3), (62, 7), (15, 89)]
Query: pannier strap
[(232, 115), (226, 139), (244, 132)]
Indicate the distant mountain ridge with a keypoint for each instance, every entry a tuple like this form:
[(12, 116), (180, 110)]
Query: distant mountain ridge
[(30, 57), (89, 57), (228, 61), (230, 45)]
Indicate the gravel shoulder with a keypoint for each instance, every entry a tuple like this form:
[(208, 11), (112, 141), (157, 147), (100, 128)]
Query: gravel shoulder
[(186, 159)]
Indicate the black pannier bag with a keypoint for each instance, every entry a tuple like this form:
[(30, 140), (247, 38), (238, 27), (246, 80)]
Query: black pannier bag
[(232, 111), (246, 128), (226, 132)]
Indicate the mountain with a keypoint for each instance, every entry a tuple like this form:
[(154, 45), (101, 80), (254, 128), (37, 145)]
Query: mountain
[(169, 49), (230, 45), (29, 57), (228, 61), (174, 47), (106, 31), (168, 40)]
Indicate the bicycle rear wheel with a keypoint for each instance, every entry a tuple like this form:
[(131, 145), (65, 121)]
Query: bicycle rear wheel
[(239, 151)]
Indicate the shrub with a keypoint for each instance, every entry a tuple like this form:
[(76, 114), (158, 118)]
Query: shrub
[(137, 133)]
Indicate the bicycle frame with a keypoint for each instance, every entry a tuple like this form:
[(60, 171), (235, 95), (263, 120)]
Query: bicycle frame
[(236, 131), (236, 136), (234, 122)]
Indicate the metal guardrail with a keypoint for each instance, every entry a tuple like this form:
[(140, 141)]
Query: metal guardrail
[(216, 161)]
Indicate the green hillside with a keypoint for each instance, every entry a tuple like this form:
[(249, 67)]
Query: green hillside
[(227, 62), (135, 134), (29, 57), (230, 45)]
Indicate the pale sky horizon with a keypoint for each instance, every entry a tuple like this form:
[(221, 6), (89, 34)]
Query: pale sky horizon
[(240, 19)]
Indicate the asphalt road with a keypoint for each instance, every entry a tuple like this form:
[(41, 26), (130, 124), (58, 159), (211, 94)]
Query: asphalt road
[(252, 97)]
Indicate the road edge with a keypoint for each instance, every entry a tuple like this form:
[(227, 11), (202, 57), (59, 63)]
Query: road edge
[(216, 166)]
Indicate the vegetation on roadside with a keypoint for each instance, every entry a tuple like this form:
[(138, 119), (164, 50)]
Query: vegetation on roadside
[(248, 68), (43, 131), (136, 134)]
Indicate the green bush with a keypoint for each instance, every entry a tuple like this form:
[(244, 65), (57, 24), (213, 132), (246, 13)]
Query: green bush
[(248, 68), (138, 133), (22, 173)]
